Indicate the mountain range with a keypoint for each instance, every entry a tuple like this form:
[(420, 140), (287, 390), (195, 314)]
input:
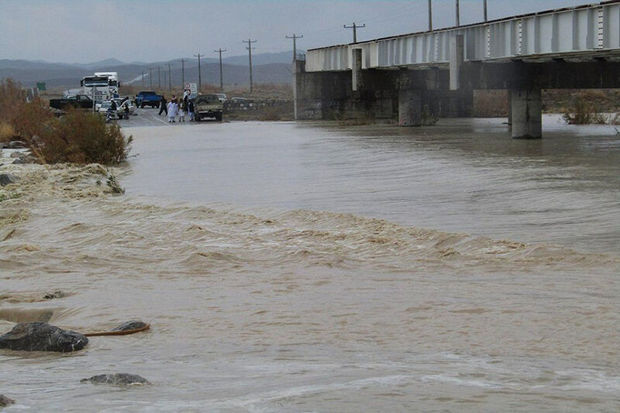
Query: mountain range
[(267, 68)]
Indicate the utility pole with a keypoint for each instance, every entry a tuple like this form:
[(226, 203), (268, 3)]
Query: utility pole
[(159, 76), (143, 79), (458, 13), (183, 74), (355, 27), (295, 37), (199, 73), (486, 16), (220, 51), (249, 42), (151, 77), (430, 15), (169, 78)]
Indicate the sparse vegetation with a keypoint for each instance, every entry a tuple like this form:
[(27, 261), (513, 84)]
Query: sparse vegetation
[(78, 137), (7, 132), (114, 186), (583, 112)]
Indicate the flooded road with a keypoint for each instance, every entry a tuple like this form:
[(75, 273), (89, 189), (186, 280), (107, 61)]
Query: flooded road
[(463, 176), (312, 267)]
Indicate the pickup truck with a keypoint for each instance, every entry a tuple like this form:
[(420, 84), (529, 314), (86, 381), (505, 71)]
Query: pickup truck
[(148, 98), (77, 101), (208, 106)]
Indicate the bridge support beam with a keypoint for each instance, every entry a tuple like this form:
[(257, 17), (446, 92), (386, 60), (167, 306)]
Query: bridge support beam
[(457, 57), (410, 107), (526, 109), (356, 72)]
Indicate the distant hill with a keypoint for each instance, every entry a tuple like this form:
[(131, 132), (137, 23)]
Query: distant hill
[(268, 68)]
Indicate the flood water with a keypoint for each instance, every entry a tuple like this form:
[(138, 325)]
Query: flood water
[(315, 267)]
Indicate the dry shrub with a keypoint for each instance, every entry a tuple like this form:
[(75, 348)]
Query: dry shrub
[(83, 137), (12, 98), (583, 112), (7, 132), (32, 119)]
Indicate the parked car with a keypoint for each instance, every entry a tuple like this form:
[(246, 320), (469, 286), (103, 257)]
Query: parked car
[(123, 103), (77, 101), (105, 108), (222, 97), (208, 106), (148, 98)]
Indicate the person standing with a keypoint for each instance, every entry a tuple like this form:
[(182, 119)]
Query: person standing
[(170, 111), (190, 110), (162, 105), (181, 112)]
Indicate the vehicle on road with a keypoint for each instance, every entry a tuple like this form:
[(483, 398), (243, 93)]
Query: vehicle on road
[(148, 98), (112, 114), (123, 103), (208, 106), (101, 86), (77, 101)]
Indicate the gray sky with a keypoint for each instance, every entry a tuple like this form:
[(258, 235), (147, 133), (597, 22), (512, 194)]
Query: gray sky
[(156, 30)]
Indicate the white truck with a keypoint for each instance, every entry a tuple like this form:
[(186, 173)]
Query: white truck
[(101, 86)]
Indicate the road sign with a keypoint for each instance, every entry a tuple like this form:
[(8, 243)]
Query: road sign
[(193, 88)]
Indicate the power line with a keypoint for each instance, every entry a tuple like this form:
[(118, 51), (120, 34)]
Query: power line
[(354, 27), (249, 47), (294, 37)]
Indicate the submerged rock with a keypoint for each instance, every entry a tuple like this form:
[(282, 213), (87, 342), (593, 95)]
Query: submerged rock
[(131, 325), (118, 379), (54, 294), (42, 337), (17, 145), (5, 401), (6, 179)]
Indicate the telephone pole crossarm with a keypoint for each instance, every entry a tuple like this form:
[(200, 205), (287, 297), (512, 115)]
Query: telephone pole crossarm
[(355, 27), (199, 72), (220, 51), (249, 47), (294, 37)]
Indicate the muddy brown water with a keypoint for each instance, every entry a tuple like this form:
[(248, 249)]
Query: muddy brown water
[(311, 267)]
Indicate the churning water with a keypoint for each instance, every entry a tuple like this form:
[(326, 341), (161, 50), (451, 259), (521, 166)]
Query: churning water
[(312, 267)]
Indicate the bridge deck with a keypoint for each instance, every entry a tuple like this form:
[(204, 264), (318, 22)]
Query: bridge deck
[(572, 33)]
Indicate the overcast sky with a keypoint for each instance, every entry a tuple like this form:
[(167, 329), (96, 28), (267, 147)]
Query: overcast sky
[(158, 30)]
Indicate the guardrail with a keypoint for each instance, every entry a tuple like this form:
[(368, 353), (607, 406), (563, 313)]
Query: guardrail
[(593, 27)]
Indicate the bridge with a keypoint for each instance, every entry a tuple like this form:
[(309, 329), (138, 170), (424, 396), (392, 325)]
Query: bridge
[(420, 76)]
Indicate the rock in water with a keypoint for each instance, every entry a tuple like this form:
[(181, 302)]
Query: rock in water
[(131, 325), (54, 294), (5, 401), (6, 179), (118, 379), (42, 337)]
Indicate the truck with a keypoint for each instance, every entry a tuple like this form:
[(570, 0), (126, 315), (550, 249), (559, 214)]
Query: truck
[(208, 106), (100, 87), (77, 101), (148, 98)]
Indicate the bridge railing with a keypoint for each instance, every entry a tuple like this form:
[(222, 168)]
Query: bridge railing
[(581, 29)]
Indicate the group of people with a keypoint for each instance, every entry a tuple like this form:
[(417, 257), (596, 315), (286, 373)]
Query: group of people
[(177, 108)]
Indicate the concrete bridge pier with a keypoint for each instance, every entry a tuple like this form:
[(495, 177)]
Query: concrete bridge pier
[(410, 107), (526, 111)]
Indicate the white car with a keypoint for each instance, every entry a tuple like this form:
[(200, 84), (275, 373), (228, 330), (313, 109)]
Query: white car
[(222, 97), (121, 104)]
